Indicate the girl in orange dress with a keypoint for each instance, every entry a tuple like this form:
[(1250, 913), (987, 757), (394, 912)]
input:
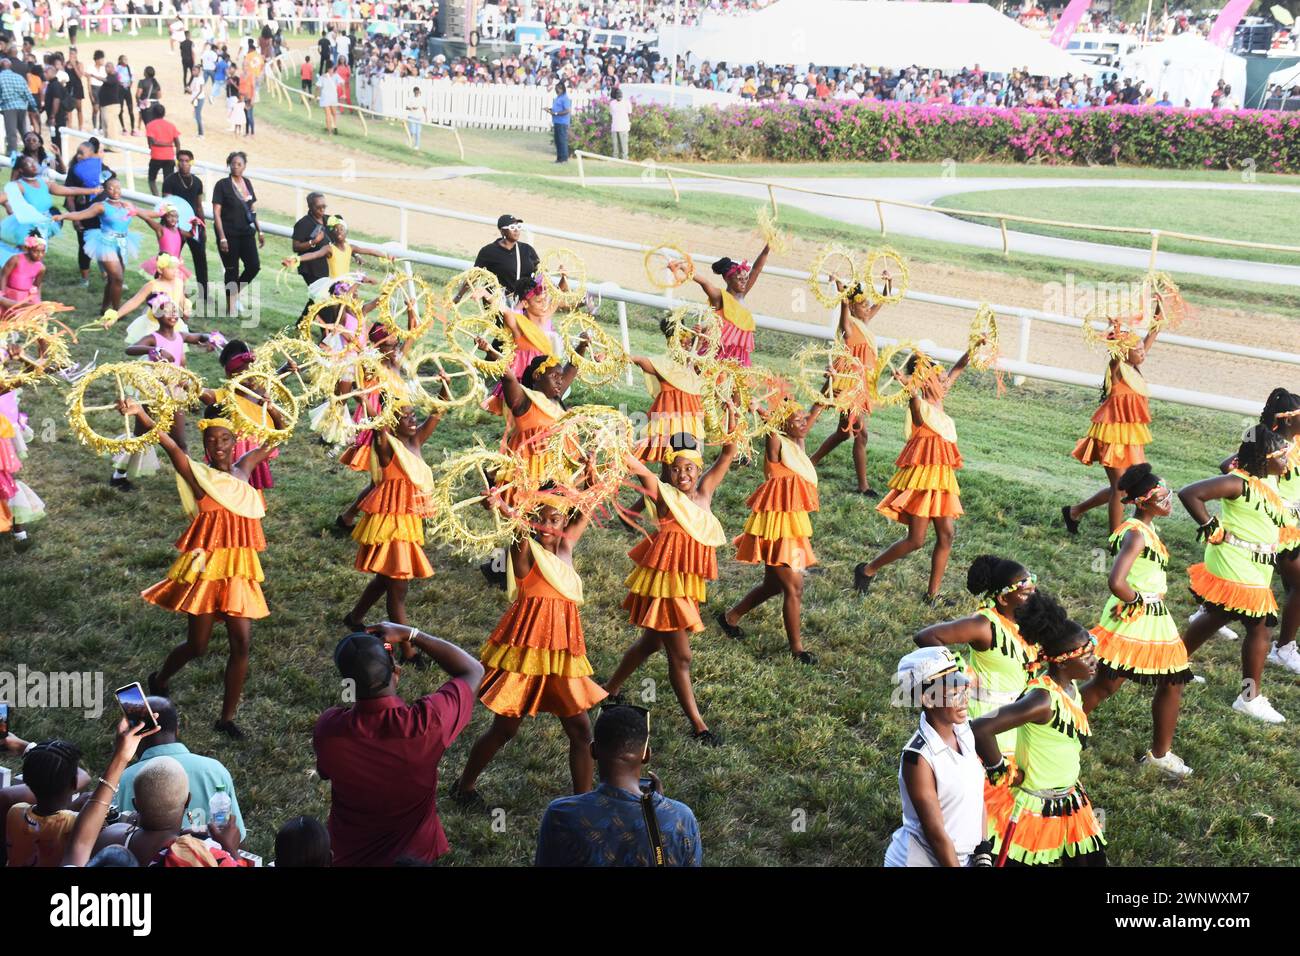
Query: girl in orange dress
[(778, 534), (738, 279), (531, 330), (667, 587), (536, 658), (924, 489), (856, 311), (1119, 432), (218, 575), (390, 532)]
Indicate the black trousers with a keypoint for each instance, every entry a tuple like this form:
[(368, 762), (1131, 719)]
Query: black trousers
[(240, 250), (199, 252), (157, 167)]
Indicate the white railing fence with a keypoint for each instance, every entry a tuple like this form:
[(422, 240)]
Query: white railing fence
[(1019, 367), (485, 105)]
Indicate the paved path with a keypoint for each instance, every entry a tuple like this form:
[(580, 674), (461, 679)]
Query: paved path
[(937, 226)]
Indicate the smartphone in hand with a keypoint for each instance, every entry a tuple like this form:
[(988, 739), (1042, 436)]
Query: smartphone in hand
[(135, 707)]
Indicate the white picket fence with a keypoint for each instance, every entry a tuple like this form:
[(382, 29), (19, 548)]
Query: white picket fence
[(485, 105)]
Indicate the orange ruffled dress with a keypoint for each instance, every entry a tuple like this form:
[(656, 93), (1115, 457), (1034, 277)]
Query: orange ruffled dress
[(675, 408), (779, 532), (1119, 429), (862, 344), (533, 340), (668, 586), (925, 483), (218, 571), (523, 433), (536, 659), (390, 532)]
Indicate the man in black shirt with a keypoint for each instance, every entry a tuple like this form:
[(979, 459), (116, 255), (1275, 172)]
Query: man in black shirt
[(323, 47), (56, 105), (308, 236), (510, 260), (187, 59), (185, 185)]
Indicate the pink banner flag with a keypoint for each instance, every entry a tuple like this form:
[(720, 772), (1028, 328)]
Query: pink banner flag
[(1070, 18), (1226, 22)]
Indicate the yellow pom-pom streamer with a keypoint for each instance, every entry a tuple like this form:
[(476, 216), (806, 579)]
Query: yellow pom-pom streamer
[(776, 241), (1163, 306)]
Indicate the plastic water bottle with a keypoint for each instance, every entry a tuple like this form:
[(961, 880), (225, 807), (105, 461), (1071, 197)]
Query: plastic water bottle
[(219, 807)]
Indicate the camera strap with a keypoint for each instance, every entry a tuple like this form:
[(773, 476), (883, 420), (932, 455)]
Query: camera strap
[(652, 828)]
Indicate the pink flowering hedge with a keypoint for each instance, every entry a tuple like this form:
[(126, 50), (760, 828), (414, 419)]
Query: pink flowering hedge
[(871, 131)]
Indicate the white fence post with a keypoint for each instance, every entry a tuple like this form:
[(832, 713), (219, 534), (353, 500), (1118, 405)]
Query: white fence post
[(1022, 353)]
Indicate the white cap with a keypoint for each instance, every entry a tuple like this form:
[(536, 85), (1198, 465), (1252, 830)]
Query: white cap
[(928, 664)]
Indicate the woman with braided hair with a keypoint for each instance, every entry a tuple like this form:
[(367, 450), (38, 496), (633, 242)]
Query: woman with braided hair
[(39, 820), (1234, 582), (1052, 819), (217, 576), (1137, 638), (999, 659), (738, 278), (856, 311)]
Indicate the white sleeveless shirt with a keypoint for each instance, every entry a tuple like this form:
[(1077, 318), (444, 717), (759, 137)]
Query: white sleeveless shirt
[(959, 780)]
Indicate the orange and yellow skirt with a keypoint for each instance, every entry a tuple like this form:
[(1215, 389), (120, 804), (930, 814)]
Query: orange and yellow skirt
[(390, 531), (536, 659), (673, 412), (1119, 431), (667, 587), (925, 484), (1052, 828), (778, 532), (218, 571), (1140, 643)]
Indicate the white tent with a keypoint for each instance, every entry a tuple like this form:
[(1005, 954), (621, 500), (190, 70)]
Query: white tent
[(1187, 67), (872, 33)]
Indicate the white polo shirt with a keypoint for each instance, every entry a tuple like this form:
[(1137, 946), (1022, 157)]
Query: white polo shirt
[(959, 780)]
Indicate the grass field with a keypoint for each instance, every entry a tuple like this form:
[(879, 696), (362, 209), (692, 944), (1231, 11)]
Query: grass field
[(821, 740), (1236, 214)]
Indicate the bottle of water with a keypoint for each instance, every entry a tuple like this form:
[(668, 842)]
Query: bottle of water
[(219, 807)]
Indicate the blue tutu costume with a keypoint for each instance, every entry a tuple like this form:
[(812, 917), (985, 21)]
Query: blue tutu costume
[(113, 239), (30, 201)]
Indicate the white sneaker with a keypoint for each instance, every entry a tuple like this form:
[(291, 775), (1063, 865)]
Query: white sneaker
[(1286, 655), (1224, 631), (1259, 708), (1171, 765), (1198, 679)]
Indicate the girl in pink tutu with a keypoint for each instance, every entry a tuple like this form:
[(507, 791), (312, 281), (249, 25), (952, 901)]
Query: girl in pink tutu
[(21, 275), (170, 240)]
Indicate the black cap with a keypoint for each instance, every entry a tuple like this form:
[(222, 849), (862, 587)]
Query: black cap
[(507, 220), (363, 658)]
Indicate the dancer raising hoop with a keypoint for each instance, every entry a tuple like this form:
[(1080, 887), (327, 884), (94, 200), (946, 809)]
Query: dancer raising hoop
[(738, 280), (1137, 638), (855, 313), (924, 489), (1119, 431)]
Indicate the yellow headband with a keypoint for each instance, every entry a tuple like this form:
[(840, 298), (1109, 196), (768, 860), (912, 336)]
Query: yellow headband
[(548, 363), (554, 501), (690, 454), (206, 423)]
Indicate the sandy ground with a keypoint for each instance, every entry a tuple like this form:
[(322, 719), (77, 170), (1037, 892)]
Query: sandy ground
[(1064, 347)]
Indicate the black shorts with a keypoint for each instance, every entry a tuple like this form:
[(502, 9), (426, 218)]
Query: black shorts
[(164, 166)]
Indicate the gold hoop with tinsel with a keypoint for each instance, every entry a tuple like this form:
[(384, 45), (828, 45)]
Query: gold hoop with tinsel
[(1117, 339), (482, 298), (265, 391), (30, 350), (1159, 289), (659, 269), (558, 265), (297, 364), (771, 400), (112, 382), (399, 294), (983, 341), (469, 500), (365, 379), (604, 360), (872, 276), (331, 325), (832, 375), (463, 384), (694, 335), (833, 262), (725, 400), (772, 236), (464, 334), (184, 388), (891, 385), (589, 446)]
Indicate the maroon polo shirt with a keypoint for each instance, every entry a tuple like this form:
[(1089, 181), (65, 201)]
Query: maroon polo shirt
[(381, 758)]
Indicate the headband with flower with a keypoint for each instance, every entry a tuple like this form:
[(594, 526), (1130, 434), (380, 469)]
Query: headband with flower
[(742, 266), (34, 242)]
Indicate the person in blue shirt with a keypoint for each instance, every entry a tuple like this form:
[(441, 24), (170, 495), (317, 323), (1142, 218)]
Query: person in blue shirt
[(609, 826), (561, 113), (205, 774)]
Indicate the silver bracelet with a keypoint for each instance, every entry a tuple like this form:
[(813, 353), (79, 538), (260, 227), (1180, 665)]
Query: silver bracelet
[(414, 631)]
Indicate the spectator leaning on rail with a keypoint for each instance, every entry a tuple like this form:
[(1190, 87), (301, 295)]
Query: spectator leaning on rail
[(620, 823), (381, 754)]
